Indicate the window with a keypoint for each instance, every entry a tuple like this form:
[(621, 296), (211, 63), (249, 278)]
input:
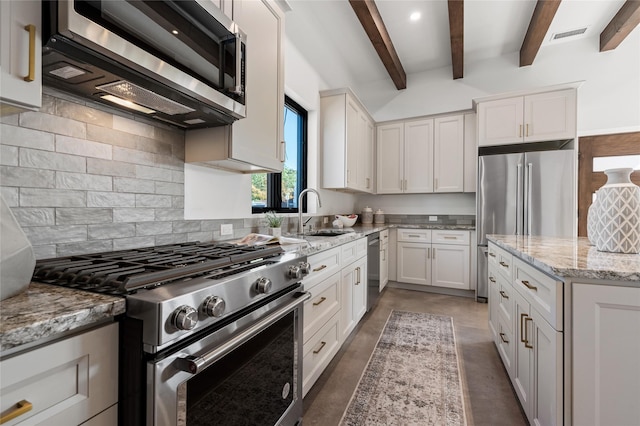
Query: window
[(279, 191)]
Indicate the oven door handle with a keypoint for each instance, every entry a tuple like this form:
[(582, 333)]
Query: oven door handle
[(195, 364)]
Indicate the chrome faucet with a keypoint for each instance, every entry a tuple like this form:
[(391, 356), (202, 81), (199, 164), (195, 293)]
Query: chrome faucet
[(300, 224)]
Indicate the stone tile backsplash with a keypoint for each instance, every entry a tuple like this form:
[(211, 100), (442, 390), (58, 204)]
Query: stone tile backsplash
[(81, 179)]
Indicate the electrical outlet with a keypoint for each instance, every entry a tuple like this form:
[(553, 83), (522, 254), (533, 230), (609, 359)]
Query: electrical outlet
[(226, 229), (325, 220), (433, 218)]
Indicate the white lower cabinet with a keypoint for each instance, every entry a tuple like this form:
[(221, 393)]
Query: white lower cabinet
[(67, 382), (530, 346), (338, 286), (606, 354), (434, 257), (384, 258)]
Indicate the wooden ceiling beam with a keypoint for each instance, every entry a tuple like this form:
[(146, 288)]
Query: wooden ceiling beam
[(456, 34), (369, 16), (540, 21), (627, 18)]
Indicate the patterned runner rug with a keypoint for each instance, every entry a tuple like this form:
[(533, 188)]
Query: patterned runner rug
[(412, 377)]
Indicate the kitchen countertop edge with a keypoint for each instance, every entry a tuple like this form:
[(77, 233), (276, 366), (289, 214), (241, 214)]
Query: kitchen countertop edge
[(571, 257), (45, 311)]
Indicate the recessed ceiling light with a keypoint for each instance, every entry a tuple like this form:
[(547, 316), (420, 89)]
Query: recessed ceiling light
[(415, 16), (175, 32)]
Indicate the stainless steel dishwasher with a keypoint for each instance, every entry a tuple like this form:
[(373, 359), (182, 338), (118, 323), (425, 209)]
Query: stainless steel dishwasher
[(373, 269)]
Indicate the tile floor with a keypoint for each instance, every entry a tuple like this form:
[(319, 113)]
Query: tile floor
[(489, 398)]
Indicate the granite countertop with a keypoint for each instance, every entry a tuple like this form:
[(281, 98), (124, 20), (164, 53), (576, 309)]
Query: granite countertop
[(571, 257), (45, 311)]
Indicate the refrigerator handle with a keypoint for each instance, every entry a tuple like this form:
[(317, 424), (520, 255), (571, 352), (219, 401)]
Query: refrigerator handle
[(519, 201), (529, 197)]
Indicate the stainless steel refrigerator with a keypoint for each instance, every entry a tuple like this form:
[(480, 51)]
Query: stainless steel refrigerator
[(524, 193)]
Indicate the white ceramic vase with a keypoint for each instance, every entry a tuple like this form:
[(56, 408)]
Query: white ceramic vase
[(592, 221), (618, 212)]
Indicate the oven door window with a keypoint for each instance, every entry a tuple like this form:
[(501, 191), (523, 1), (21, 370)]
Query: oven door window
[(252, 385), (182, 34)]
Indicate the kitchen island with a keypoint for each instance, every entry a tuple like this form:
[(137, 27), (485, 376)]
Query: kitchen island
[(565, 319)]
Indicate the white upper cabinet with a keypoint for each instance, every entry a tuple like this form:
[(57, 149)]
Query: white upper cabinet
[(530, 118), (347, 142), (20, 56), (421, 156), (470, 153), (255, 143), (448, 159)]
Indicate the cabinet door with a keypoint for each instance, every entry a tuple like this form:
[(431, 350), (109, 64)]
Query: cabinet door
[(523, 365), (550, 116), (347, 282), (384, 265), (494, 302), (448, 154), (500, 122), (258, 139), (450, 266), (605, 354), (360, 290), (414, 263), (353, 143), (20, 72), (367, 154), (547, 396), (418, 156), (390, 154), (470, 153)]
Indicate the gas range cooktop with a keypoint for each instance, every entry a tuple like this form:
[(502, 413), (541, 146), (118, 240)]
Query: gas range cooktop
[(125, 272)]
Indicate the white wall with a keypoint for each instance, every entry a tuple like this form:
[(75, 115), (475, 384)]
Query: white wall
[(452, 204), (608, 99)]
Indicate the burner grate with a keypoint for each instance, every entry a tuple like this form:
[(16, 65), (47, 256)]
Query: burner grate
[(122, 272)]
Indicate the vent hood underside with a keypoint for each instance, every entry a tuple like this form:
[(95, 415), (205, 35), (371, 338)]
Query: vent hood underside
[(70, 67)]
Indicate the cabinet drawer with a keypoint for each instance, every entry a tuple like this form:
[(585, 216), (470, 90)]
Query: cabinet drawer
[(353, 251), (506, 343), (502, 259), (543, 292), (414, 235), (318, 352), (324, 303), (505, 298), (323, 265), (70, 380), (450, 237)]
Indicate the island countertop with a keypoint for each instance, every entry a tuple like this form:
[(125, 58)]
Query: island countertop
[(571, 257)]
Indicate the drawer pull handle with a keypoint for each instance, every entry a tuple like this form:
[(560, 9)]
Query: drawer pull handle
[(450, 238), (493, 280), (504, 295), (413, 236), (322, 299), (526, 338), (19, 409), (523, 331), (506, 265), (322, 344), (492, 254), (31, 29), (319, 268), (529, 286), (502, 338)]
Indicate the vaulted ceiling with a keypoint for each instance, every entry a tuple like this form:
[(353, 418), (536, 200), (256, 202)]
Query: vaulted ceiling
[(376, 39)]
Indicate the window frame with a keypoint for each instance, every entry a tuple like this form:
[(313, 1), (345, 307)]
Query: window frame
[(274, 180)]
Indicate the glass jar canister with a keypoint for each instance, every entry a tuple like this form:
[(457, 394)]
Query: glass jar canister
[(367, 215), (378, 217)]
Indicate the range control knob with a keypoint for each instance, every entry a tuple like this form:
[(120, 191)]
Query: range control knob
[(294, 272), (263, 285), (305, 268), (185, 318), (213, 306)]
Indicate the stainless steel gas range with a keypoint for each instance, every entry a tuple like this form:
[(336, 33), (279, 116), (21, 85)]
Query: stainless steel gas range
[(212, 333)]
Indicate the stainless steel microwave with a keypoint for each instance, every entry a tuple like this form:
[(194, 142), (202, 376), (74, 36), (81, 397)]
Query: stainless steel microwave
[(180, 62)]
